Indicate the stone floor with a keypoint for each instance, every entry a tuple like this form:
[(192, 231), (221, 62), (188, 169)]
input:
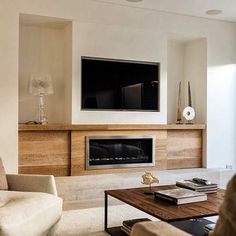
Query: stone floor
[(90, 221)]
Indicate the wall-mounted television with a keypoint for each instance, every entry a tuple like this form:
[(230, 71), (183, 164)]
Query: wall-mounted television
[(109, 84)]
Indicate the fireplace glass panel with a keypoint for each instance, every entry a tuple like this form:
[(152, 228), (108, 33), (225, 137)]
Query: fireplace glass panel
[(105, 152)]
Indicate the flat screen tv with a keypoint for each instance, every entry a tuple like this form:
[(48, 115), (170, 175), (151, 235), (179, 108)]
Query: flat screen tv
[(109, 84)]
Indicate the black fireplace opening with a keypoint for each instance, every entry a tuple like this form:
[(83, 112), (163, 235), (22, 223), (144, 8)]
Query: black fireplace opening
[(117, 151)]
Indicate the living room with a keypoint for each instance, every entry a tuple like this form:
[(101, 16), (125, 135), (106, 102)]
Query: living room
[(51, 37)]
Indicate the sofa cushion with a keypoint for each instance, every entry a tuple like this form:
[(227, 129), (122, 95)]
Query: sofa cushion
[(159, 228), (3, 179), (28, 213)]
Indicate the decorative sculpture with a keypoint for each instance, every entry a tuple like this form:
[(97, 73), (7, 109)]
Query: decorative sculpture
[(149, 179), (179, 119), (189, 112), (189, 95)]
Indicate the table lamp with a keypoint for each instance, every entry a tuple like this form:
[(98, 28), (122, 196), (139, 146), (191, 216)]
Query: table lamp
[(41, 85)]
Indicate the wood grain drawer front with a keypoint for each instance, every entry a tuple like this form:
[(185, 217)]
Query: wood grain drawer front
[(184, 149), (44, 152)]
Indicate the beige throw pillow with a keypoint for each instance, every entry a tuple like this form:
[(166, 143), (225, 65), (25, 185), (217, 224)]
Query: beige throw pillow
[(3, 178), (158, 228), (226, 224)]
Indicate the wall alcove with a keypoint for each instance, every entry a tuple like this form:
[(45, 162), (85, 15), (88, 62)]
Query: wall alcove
[(187, 61), (45, 47)]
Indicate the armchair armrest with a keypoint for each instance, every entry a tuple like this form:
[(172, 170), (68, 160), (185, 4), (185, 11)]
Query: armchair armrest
[(156, 228), (32, 183)]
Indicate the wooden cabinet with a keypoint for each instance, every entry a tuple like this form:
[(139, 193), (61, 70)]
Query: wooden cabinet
[(184, 149), (44, 152), (60, 149)]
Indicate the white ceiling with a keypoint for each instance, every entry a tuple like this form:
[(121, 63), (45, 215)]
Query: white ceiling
[(185, 7)]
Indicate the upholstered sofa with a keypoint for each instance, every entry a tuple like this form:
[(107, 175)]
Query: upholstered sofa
[(225, 225), (29, 204)]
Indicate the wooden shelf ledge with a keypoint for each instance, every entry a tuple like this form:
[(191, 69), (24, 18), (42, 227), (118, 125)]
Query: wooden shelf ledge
[(110, 127)]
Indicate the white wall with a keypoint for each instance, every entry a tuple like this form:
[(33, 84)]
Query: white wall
[(111, 19), (119, 43), (43, 50), (195, 71), (68, 73), (221, 115), (221, 112), (187, 61), (8, 85), (175, 68)]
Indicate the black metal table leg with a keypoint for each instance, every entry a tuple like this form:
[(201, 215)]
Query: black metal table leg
[(106, 212)]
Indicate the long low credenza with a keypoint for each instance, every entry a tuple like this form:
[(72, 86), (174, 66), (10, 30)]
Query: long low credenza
[(60, 149)]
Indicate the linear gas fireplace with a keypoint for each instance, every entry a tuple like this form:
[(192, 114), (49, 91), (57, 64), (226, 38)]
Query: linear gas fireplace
[(119, 151)]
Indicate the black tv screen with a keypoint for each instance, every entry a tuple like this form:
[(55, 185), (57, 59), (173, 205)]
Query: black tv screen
[(109, 84)]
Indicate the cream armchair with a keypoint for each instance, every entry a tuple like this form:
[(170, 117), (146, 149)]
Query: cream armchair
[(32, 183), (30, 206)]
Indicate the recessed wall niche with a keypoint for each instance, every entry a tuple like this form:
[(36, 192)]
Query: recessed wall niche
[(45, 48), (187, 61)]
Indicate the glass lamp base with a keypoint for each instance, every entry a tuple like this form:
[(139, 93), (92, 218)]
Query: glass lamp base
[(43, 121), (42, 114)]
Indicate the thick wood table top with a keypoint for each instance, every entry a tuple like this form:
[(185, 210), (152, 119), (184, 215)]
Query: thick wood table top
[(165, 210)]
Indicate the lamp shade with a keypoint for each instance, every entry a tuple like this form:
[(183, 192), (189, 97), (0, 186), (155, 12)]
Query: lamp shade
[(40, 84)]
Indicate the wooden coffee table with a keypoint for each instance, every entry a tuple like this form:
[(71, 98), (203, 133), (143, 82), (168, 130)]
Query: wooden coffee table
[(162, 209)]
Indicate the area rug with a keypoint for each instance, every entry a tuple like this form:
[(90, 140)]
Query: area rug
[(90, 222)]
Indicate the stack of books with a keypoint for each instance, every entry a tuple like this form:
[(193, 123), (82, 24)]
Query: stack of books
[(128, 224), (180, 195), (201, 187), (209, 227)]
